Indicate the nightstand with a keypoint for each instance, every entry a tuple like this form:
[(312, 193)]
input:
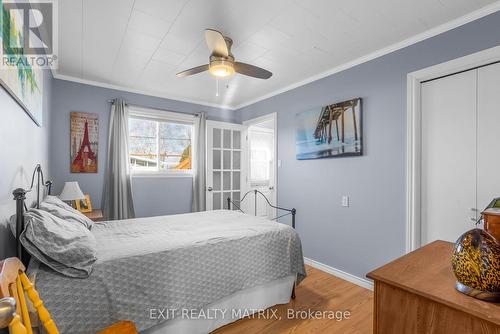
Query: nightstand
[(95, 215)]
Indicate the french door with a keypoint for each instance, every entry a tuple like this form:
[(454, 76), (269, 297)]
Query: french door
[(224, 165)]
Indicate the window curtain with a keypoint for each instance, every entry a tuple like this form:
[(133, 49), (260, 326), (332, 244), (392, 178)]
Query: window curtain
[(199, 164), (117, 199)]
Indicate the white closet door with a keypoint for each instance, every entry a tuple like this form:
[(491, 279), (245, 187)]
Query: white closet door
[(488, 135), (448, 188)]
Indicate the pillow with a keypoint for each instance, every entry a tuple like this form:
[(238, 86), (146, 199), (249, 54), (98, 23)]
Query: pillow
[(57, 202), (58, 208), (69, 249)]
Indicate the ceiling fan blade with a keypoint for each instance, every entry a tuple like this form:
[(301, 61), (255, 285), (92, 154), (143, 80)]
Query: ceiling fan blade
[(216, 42), (191, 71), (252, 71)]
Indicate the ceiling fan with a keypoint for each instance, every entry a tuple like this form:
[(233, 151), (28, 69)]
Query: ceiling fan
[(222, 62)]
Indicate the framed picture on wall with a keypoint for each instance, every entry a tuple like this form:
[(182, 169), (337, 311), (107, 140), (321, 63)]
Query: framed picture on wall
[(334, 130), (84, 142), (23, 82)]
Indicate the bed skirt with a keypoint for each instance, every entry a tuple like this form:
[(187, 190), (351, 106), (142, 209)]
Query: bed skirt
[(235, 306)]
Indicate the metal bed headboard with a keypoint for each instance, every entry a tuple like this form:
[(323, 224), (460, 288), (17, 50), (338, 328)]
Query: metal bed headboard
[(19, 197), (292, 211)]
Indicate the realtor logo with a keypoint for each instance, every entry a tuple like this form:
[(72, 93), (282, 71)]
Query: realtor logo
[(29, 36)]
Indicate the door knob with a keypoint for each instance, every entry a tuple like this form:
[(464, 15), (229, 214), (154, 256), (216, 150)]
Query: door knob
[(209, 189), (271, 188)]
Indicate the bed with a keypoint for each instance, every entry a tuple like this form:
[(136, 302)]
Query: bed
[(188, 273)]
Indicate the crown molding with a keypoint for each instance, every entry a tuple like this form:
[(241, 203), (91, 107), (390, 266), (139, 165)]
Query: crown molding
[(65, 77), (482, 12)]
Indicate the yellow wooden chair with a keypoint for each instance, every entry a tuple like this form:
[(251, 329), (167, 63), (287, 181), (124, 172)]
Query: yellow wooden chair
[(14, 284)]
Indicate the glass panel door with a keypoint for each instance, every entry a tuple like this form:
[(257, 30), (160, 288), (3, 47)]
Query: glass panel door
[(223, 165)]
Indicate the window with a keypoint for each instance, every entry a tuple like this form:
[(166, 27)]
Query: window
[(260, 164), (160, 145), (261, 159)]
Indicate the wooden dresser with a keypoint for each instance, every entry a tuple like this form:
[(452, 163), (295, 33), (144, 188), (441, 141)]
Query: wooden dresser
[(416, 294)]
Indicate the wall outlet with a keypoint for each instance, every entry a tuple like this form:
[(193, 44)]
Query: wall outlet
[(345, 201)]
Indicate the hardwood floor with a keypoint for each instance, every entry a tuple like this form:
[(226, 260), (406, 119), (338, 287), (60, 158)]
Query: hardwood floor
[(318, 292)]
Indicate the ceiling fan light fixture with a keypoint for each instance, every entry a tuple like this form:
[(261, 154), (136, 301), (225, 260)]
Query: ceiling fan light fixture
[(221, 61), (221, 68)]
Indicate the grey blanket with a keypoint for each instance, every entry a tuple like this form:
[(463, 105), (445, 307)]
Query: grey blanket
[(170, 262)]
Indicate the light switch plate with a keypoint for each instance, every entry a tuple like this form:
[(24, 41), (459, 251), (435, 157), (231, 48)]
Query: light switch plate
[(345, 201)]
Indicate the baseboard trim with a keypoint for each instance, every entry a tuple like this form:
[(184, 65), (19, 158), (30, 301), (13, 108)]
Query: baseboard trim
[(362, 282)]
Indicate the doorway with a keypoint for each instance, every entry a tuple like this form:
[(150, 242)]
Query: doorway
[(259, 158)]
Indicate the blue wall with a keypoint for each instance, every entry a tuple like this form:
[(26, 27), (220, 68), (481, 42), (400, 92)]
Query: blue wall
[(356, 239), (153, 196), (372, 231), (22, 145)]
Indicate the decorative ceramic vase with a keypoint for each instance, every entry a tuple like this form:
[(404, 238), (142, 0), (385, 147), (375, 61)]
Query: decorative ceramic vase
[(476, 264)]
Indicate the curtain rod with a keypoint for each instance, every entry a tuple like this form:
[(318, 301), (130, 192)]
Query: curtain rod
[(196, 114)]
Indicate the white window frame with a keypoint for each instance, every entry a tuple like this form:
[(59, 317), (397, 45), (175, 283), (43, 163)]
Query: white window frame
[(165, 116)]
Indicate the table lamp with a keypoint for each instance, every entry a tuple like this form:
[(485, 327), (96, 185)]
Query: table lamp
[(71, 193)]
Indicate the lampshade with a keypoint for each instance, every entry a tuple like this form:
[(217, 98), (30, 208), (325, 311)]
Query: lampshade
[(71, 192), (221, 68)]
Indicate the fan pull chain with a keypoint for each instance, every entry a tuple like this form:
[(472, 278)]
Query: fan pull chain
[(217, 87)]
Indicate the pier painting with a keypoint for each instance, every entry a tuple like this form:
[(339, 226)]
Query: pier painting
[(330, 131)]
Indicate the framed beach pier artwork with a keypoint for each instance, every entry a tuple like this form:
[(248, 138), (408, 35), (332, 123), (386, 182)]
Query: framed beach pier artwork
[(334, 130), (21, 80), (84, 142)]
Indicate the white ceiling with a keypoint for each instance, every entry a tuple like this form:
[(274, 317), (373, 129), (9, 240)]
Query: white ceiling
[(140, 45)]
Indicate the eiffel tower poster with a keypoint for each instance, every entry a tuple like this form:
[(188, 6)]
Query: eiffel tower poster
[(84, 142)]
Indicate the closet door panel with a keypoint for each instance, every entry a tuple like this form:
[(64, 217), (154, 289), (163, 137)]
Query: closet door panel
[(488, 135), (448, 180)]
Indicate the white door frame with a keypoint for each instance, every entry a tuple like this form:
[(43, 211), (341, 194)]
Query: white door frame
[(274, 117), (414, 131)]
